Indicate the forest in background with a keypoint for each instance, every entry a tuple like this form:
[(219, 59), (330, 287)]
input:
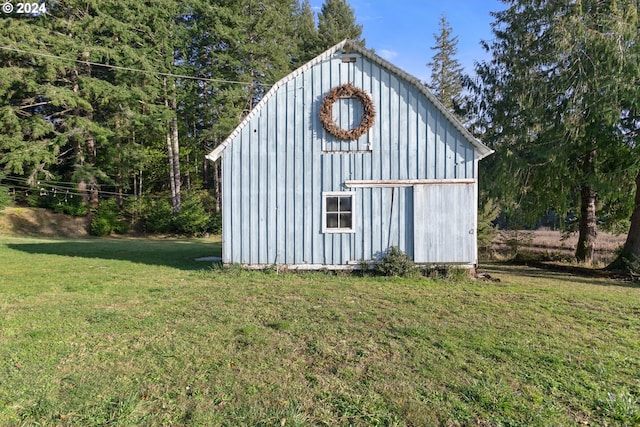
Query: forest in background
[(111, 107)]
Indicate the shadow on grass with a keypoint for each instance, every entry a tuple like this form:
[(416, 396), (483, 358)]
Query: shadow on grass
[(179, 254), (574, 274)]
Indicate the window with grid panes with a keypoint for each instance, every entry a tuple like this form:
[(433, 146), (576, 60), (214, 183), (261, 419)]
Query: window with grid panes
[(338, 212)]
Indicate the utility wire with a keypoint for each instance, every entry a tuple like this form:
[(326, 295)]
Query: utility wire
[(46, 186), (135, 70), (50, 182)]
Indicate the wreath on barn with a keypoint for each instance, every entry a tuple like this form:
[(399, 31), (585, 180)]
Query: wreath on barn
[(347, 91)]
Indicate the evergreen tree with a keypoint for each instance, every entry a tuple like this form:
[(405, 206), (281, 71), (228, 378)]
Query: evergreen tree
[(446, 71), (115, 127), (336, 22), (243, 48), (306, 33), (88, 115), (551, 107), (266, 51), (60, 123)]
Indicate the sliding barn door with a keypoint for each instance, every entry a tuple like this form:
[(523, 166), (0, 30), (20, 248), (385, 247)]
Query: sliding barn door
[(444, 221)]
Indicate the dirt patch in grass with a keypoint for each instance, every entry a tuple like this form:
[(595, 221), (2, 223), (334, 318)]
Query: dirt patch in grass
[(39, 222)]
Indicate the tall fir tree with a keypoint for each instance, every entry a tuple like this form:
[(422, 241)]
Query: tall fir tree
[(336, 22), (446, 71), (64, 88), (306, 33), (243, 48), (67, 117), (552, 108)]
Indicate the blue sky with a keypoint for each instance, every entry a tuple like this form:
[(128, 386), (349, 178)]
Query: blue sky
[(402, 31)]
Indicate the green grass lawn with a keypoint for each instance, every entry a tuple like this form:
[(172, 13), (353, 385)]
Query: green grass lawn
[(135, 332)]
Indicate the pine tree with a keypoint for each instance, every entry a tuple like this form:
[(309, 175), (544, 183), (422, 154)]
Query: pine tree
[(65, 116), (446, 71), (306, 33), (86, 115), (336, 22), (552, 107)]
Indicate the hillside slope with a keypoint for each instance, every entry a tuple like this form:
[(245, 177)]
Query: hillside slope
[(41, 222)]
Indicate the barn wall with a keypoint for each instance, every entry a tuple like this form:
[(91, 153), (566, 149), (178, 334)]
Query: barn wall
[(275, 170)]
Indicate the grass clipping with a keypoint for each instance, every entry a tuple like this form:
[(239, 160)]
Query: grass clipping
[(347, 91)]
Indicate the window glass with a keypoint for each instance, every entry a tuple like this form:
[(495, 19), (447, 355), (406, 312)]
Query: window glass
[(345, 204), (332, 204), (332, 220), (345, 220)]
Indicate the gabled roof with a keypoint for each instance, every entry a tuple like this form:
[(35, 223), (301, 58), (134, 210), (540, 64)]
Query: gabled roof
[(482, 149)]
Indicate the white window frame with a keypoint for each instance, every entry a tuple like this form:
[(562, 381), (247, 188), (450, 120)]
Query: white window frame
[(326, 194)]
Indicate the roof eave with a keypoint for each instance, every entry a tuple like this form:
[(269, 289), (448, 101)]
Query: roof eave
[(483, 150), (217, 152)]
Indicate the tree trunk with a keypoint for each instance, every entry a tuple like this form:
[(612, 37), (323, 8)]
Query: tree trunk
[(587, 227), (176, 148), (119, 195), (118, 177), (172, 179), (188, 177), (217, 188), (88, 190), (631, 249), (205, 173), (172, 145), (94, 186), (93, 195)]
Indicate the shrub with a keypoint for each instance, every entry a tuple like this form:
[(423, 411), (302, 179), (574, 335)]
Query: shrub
[(192, 218), (631, 264), (160, 217), (395, 263), (107, 219), (5, 198), (135, 210), (58, 202), (486, 230), (73, 206), (215, 223), (101, 227)]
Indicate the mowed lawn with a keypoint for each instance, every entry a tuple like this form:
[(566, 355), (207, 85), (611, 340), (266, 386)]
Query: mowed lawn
[(135, 332)]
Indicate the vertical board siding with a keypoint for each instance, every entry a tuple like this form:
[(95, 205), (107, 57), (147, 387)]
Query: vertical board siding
[(444, 218), (275, 169)]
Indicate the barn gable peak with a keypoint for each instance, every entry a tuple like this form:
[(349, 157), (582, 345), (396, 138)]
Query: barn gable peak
[(348, 49)]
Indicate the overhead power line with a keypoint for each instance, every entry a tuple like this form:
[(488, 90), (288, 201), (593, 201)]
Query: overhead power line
[(135, 70), (55, 187)]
